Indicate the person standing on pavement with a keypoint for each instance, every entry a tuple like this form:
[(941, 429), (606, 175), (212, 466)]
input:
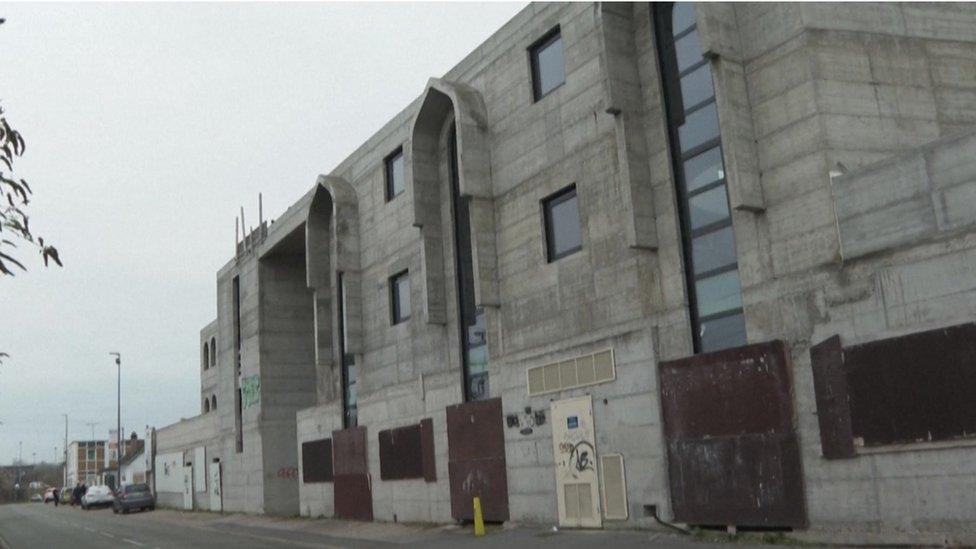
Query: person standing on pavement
[(56, 498)]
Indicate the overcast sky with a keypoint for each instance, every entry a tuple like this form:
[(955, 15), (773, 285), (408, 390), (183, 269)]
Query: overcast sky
[(147, 127)]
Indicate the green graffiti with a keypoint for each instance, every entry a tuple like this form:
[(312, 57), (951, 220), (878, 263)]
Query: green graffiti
[(250, 391)]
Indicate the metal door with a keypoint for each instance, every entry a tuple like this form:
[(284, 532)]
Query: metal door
[(188, 487), (574, 445), (476, 459), (733, 455), (216, 502), (352, 486)]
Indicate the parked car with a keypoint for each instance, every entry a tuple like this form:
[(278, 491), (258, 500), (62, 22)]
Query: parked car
[(97, 496), (50, 494), (133, 496), (65, 496), (37, 498)]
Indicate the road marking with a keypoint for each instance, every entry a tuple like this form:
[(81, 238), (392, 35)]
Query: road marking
[(86, 528), (133, 542), (106, 534)]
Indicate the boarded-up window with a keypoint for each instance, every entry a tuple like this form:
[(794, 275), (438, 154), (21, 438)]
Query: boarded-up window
[(408, 452), (907, 389), (317, 461)]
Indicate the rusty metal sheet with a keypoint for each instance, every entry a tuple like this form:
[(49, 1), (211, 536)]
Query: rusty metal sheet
[(317, 461), (353, 497), (476, 459), (913, 388), (400, 453), (733, 455), (746, 480), (349, 451), (726, 393), (353, 494), (833, 407), (428, 461)]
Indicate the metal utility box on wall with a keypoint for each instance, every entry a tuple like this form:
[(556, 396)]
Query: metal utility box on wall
[(574, 446)]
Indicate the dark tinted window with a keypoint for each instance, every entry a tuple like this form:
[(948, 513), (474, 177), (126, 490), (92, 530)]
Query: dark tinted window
[(562, 223), (136, 489), (705, 218), (548, 64), (395, 182), (400, 296)]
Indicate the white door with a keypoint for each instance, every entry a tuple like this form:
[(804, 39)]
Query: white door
[(574, 444), (216, 503), (188, 487)]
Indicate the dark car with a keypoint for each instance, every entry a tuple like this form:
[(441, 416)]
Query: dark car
[(133, 496)]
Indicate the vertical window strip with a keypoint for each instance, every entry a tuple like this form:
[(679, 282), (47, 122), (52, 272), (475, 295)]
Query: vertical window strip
[(471, 319), (714, 291), (350, 411)]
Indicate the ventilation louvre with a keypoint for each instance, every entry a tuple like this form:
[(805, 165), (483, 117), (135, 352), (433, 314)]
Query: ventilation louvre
[(589, 369), (578, 500), (614, 487)]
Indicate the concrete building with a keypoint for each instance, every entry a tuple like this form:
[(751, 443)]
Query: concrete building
[(86, 459), (713, 263)]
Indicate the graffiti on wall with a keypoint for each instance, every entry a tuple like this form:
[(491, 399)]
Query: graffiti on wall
[(250, 391), (288, 472)]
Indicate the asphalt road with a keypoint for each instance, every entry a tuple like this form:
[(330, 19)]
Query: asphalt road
[(37, 525)]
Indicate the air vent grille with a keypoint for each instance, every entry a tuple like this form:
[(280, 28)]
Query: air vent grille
[(614, 487), (568, 374)]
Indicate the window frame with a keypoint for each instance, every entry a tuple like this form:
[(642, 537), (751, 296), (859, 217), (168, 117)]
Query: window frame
[(548, 203), (395, 313), (542, 43), (388, 174)]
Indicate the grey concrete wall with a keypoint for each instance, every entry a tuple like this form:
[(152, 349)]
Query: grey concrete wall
[(802, 91), (287, 360), (208, 372)]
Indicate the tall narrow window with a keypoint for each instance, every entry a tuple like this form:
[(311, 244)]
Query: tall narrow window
[(206, 356), (400, 297), (213, 351), (711, 267), (350, 414), (239, 397), (474, 347), (395, 182)]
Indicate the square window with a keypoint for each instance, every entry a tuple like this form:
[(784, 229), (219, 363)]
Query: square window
[(395, 182), (562, 224), (548, 64), (400, 297)]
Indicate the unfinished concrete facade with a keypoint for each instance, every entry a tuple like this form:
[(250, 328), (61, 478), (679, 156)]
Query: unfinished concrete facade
[(845, 142)]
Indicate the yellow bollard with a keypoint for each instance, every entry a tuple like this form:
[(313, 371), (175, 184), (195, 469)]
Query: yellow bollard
[(479, 521)]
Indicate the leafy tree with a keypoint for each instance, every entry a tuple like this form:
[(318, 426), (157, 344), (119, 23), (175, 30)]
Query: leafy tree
[(15, 194)]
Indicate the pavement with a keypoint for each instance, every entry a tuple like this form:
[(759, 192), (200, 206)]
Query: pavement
[(39, 525)]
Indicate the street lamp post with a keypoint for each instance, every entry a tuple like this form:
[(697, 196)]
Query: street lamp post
[(118, 425), (65, 466)]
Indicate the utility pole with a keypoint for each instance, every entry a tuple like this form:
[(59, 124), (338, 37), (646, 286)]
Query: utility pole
[(118, 425), (65, 467)]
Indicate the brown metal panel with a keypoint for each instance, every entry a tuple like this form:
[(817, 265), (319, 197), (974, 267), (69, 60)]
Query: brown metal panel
[(356, 499), (427, 450), (400, 454), (485, 478), (353, 494), (733, 456), (317, 461), (746, 480), (349, 451), (913, 388), (475, 430), (476, 459), (833, 406), (725, 393)]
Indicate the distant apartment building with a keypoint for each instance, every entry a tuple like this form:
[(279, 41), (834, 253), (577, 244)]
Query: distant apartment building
[(709, 263), (86, 460)]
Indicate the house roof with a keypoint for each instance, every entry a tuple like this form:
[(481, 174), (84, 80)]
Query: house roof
[(134, 450)]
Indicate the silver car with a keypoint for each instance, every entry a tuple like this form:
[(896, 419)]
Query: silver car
[(97, 496)]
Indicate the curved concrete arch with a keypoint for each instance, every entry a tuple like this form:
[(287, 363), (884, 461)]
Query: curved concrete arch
[(331, 247), (441, 99)]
